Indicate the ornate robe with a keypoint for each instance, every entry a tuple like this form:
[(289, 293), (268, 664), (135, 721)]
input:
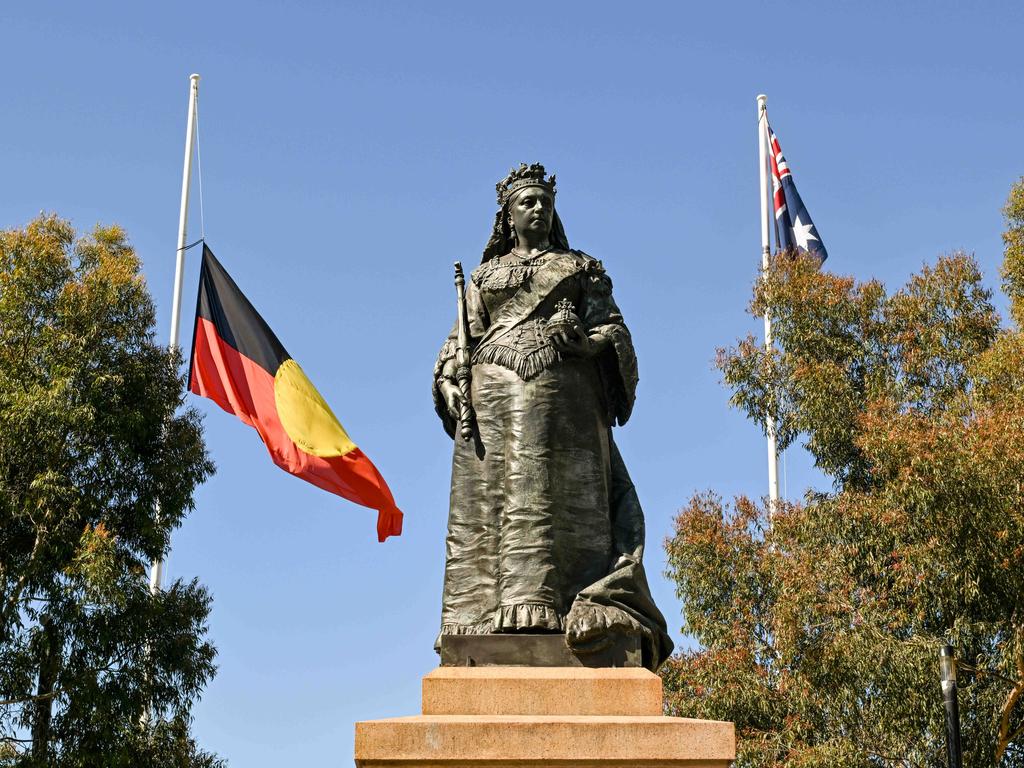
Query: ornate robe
[(543, 513)]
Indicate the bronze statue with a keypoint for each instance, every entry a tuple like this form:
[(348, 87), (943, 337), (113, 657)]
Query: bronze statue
[(545, 531)]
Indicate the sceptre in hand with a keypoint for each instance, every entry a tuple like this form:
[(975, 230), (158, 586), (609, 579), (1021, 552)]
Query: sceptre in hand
[(462, 372)]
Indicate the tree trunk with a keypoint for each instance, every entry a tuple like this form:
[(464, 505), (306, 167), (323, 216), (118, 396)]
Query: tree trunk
[(49, 667)]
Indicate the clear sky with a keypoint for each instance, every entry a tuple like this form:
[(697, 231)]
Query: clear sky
[(349, 155)]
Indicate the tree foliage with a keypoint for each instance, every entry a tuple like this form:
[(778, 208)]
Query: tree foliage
[(819, 628), (91, 439)]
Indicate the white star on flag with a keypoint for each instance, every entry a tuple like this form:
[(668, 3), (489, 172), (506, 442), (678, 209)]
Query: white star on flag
[(802, 233)]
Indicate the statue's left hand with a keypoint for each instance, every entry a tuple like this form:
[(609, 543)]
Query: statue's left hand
[(576, 343)]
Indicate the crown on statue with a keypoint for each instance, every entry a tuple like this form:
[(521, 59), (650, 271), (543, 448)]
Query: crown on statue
[(523, 176)]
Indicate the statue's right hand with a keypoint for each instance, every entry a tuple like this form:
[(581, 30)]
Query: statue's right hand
[(453, 398)]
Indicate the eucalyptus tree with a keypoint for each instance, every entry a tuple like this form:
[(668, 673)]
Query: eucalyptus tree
[(92, 438), (819, 628)]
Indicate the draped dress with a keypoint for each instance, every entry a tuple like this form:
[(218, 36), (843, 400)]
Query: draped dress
[(543, 513)]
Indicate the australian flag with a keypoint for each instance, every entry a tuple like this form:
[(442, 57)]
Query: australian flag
[(793, 226)]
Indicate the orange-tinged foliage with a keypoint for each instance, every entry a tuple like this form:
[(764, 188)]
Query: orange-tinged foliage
[(819, 629)]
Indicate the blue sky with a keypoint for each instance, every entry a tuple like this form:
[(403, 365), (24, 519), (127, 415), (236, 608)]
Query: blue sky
[(349, 153)]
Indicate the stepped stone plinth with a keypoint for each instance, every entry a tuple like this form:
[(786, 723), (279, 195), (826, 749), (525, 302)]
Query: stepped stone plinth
[(529, 717)]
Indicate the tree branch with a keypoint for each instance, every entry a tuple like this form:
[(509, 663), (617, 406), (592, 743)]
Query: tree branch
[(15, 596), (1004, 737), (27, 699)]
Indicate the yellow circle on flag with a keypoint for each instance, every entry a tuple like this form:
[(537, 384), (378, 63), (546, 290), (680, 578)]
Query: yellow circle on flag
[(305, 415)]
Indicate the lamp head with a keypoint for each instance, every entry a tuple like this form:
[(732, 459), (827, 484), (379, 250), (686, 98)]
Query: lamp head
[(947, 666)]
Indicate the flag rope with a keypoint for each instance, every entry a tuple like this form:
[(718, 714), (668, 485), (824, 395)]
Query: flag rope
[(199, 170), (775, 222), (785, 477), (767, 208)]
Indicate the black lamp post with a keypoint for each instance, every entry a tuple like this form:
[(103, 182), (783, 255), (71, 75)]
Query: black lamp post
[(947, 670)]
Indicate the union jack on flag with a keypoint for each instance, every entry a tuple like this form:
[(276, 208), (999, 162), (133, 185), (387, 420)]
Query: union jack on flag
[(793, 226)]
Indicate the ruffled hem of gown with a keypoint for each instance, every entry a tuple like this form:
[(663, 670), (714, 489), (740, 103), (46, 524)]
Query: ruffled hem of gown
[(527, 616), (510, 618)]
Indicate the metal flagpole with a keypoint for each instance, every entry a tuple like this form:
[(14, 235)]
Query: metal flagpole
[(766, 192), (156, 574)]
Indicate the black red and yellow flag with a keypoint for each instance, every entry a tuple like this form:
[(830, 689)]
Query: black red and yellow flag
[(238, 362)]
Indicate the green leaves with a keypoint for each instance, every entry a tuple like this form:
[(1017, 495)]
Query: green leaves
[(92, 438), (819, 630), (1013, 264)]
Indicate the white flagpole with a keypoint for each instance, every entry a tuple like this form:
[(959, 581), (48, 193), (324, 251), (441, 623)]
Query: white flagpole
[(156, 574), (766, 211)]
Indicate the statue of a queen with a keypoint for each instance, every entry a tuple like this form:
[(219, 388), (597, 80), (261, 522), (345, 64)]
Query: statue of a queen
[(545, 530)]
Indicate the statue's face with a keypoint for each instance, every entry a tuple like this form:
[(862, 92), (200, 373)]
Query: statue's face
[(532, 211)]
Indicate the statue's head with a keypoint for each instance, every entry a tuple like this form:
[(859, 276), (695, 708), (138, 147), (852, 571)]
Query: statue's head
[(526, 200)]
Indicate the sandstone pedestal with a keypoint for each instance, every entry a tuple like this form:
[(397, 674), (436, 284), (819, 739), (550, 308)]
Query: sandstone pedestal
[(529, 717)]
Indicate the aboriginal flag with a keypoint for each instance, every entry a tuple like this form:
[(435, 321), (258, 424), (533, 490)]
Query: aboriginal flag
[(238, 362)]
